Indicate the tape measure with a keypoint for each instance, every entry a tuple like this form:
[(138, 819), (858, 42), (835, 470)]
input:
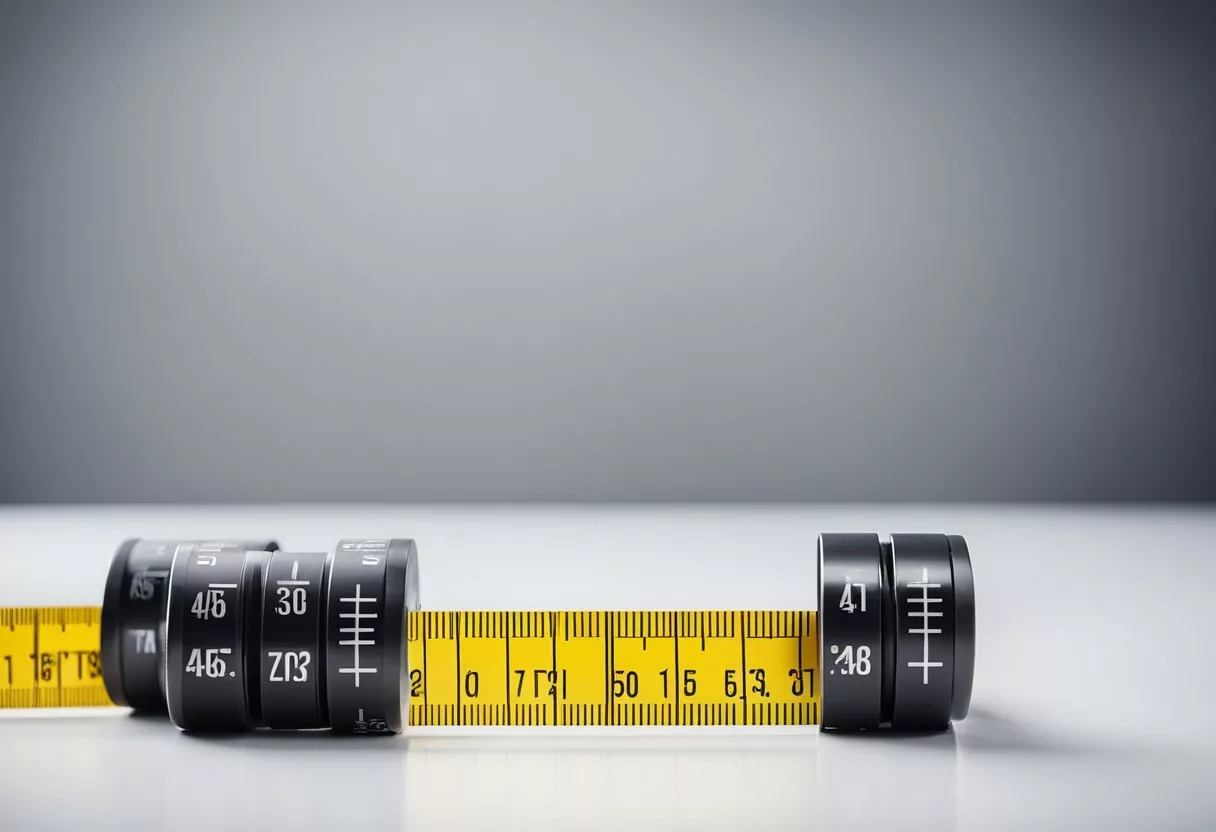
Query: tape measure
[(613, 668), (510, 668), (240, 634), (50, 657)]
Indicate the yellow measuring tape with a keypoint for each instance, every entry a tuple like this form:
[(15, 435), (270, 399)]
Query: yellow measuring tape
[(512, 668), (50, 657)]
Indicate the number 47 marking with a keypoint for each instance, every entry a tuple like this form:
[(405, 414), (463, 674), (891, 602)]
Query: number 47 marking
[(846, 598)]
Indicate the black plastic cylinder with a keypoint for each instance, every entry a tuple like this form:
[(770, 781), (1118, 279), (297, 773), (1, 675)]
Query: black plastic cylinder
[(897, 631)]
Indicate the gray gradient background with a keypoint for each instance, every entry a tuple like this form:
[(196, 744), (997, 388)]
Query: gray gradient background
[(648, 251)]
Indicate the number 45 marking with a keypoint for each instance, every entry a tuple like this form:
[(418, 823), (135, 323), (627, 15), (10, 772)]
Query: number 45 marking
[(846, 598)]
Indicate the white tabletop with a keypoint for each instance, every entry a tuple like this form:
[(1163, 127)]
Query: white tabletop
[(1092, 697)]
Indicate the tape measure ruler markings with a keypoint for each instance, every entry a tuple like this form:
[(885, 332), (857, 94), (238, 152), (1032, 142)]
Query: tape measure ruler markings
[(51, 657), (511, 668), (613, 668)]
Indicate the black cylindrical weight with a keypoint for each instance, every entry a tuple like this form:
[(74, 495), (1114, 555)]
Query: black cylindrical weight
[(292, 647), (924, 631), (851, 630), (372, 584), (896, 630), (133, 618), (205, 657)]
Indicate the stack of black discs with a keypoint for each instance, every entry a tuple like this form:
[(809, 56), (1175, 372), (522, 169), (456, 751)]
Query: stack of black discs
[(260, 638), (896, 630)]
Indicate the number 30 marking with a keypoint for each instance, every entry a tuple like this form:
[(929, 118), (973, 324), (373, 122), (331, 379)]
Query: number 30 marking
[(292, 601)]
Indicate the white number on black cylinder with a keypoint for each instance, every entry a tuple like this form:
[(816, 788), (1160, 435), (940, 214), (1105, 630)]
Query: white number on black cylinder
[(208, 662), (852, 661), (209, 604), (289, 666), (292, 601), (846, 598)]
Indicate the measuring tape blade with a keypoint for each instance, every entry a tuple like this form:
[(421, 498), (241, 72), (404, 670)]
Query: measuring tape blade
[(564, 668), (50, 657), (613, 668)]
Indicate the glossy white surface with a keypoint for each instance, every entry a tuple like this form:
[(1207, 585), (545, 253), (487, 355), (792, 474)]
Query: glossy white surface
[(1091, 708)]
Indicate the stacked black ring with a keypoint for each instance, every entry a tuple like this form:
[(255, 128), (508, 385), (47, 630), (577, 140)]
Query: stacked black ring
[(851, 593), (897, 631), (133, 617), (290, 640), (205, 656), (371, 585), (924, 631)]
